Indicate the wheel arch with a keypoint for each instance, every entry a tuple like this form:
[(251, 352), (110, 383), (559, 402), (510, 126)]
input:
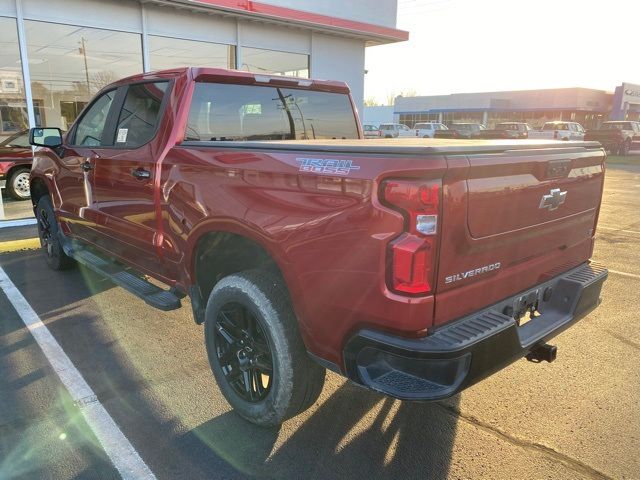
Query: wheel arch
[(38, 187), (220, 250)]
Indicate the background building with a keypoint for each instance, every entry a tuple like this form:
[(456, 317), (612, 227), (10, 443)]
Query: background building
[(56, 54), (586, 106)]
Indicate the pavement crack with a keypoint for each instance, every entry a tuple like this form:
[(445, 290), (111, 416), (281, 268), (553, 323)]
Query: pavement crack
[(624, 340), (566, 460)]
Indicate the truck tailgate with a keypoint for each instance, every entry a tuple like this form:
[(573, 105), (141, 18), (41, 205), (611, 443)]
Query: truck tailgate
[(512, 220)]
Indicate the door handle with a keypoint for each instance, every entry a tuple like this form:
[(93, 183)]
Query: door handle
[(141, 174), (86, 166)]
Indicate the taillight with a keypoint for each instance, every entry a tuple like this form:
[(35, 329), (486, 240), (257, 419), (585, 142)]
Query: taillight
[(412, 255)]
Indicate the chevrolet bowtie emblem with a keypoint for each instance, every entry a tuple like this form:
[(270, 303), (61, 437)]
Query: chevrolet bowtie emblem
[(553, 199)]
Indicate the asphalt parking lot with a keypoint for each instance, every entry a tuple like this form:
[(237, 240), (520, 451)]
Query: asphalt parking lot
[(575, 418)]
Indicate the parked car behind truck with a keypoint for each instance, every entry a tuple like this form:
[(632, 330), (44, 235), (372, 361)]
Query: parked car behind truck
[(395, 130), (371, 131), (415, 269), (616, 136), (508, 130), (15, 165), (461, 130), (428, 129), (559, 130)]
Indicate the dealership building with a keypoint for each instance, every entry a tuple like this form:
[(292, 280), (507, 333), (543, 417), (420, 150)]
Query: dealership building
[(56, 54), (586, 106)]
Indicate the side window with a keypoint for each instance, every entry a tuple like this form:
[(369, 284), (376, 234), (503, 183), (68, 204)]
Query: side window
[(140, 114), (90, 129)]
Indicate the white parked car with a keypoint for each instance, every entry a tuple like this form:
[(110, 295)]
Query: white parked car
[(559, 130), (427, 130), (395, 130)]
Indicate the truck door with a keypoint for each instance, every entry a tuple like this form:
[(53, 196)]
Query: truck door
[(89, 139), (124, 178)]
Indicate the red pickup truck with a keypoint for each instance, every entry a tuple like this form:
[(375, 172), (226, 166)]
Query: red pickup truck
[(415, 268)]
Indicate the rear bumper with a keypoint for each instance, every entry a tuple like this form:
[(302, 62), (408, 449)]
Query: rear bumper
[(467, 350)]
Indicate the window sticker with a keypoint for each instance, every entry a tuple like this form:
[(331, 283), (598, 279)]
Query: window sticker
[(122, 135)]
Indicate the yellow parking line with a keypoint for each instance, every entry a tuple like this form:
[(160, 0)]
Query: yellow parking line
[(15, 245)]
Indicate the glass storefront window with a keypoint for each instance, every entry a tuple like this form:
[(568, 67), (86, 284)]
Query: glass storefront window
[(165, 52), (13, 106), (70, 64), (271, 62)]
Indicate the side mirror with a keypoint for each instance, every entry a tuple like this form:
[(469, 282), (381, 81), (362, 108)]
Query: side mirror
[(45, 137)]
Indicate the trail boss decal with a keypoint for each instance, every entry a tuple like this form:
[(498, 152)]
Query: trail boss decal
[(326, 165), (471, 273)]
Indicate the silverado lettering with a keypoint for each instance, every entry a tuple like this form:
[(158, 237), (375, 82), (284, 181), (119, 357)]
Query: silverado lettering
[(299, 255), (470, 273)]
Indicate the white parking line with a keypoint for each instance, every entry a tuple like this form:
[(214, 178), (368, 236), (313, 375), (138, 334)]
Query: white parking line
[(17, 223), (617, 229), (624, 274), (122, 454)]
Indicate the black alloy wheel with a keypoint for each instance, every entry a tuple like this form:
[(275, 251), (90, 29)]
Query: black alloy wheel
[(243, 352), (255, 350), (44, 230), (48, 231)]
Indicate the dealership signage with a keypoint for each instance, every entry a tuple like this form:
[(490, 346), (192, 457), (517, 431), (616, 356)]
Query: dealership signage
[(630, 93)]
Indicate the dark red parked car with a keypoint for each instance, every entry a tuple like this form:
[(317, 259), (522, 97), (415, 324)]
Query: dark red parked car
[(415, 268), (15, 165)]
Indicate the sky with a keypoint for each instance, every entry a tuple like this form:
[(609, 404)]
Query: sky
[(458, 46)]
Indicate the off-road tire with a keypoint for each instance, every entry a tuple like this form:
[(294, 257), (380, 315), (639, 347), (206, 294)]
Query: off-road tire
[(48, 231), (18, 184), (297, 380)]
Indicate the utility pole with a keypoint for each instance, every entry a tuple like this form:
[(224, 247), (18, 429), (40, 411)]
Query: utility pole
[(83, 50)]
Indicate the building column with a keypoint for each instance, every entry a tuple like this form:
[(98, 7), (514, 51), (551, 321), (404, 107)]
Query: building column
[(146, 66), (24, 60), (238, 45), (485, 117)]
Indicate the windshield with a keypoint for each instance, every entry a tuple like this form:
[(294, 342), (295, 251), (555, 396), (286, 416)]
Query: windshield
[(20, 140), (555, 126), (223, 112)]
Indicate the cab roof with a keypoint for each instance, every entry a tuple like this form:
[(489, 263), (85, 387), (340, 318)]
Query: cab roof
[(221, 75)]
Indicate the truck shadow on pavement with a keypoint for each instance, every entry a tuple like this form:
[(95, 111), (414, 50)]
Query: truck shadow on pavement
[(349, 433), (352, 434)]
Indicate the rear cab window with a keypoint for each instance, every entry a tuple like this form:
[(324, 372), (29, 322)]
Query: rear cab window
[(228, 112)]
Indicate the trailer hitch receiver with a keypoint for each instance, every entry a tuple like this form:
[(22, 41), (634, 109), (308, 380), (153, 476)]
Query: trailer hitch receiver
[(542, 352)]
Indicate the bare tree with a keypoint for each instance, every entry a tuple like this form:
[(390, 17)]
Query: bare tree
[(408, 93), (391, 98), (371, 102), (102, 79)]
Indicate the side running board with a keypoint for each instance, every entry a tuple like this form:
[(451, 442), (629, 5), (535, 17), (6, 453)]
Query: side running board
[(123, 276)]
